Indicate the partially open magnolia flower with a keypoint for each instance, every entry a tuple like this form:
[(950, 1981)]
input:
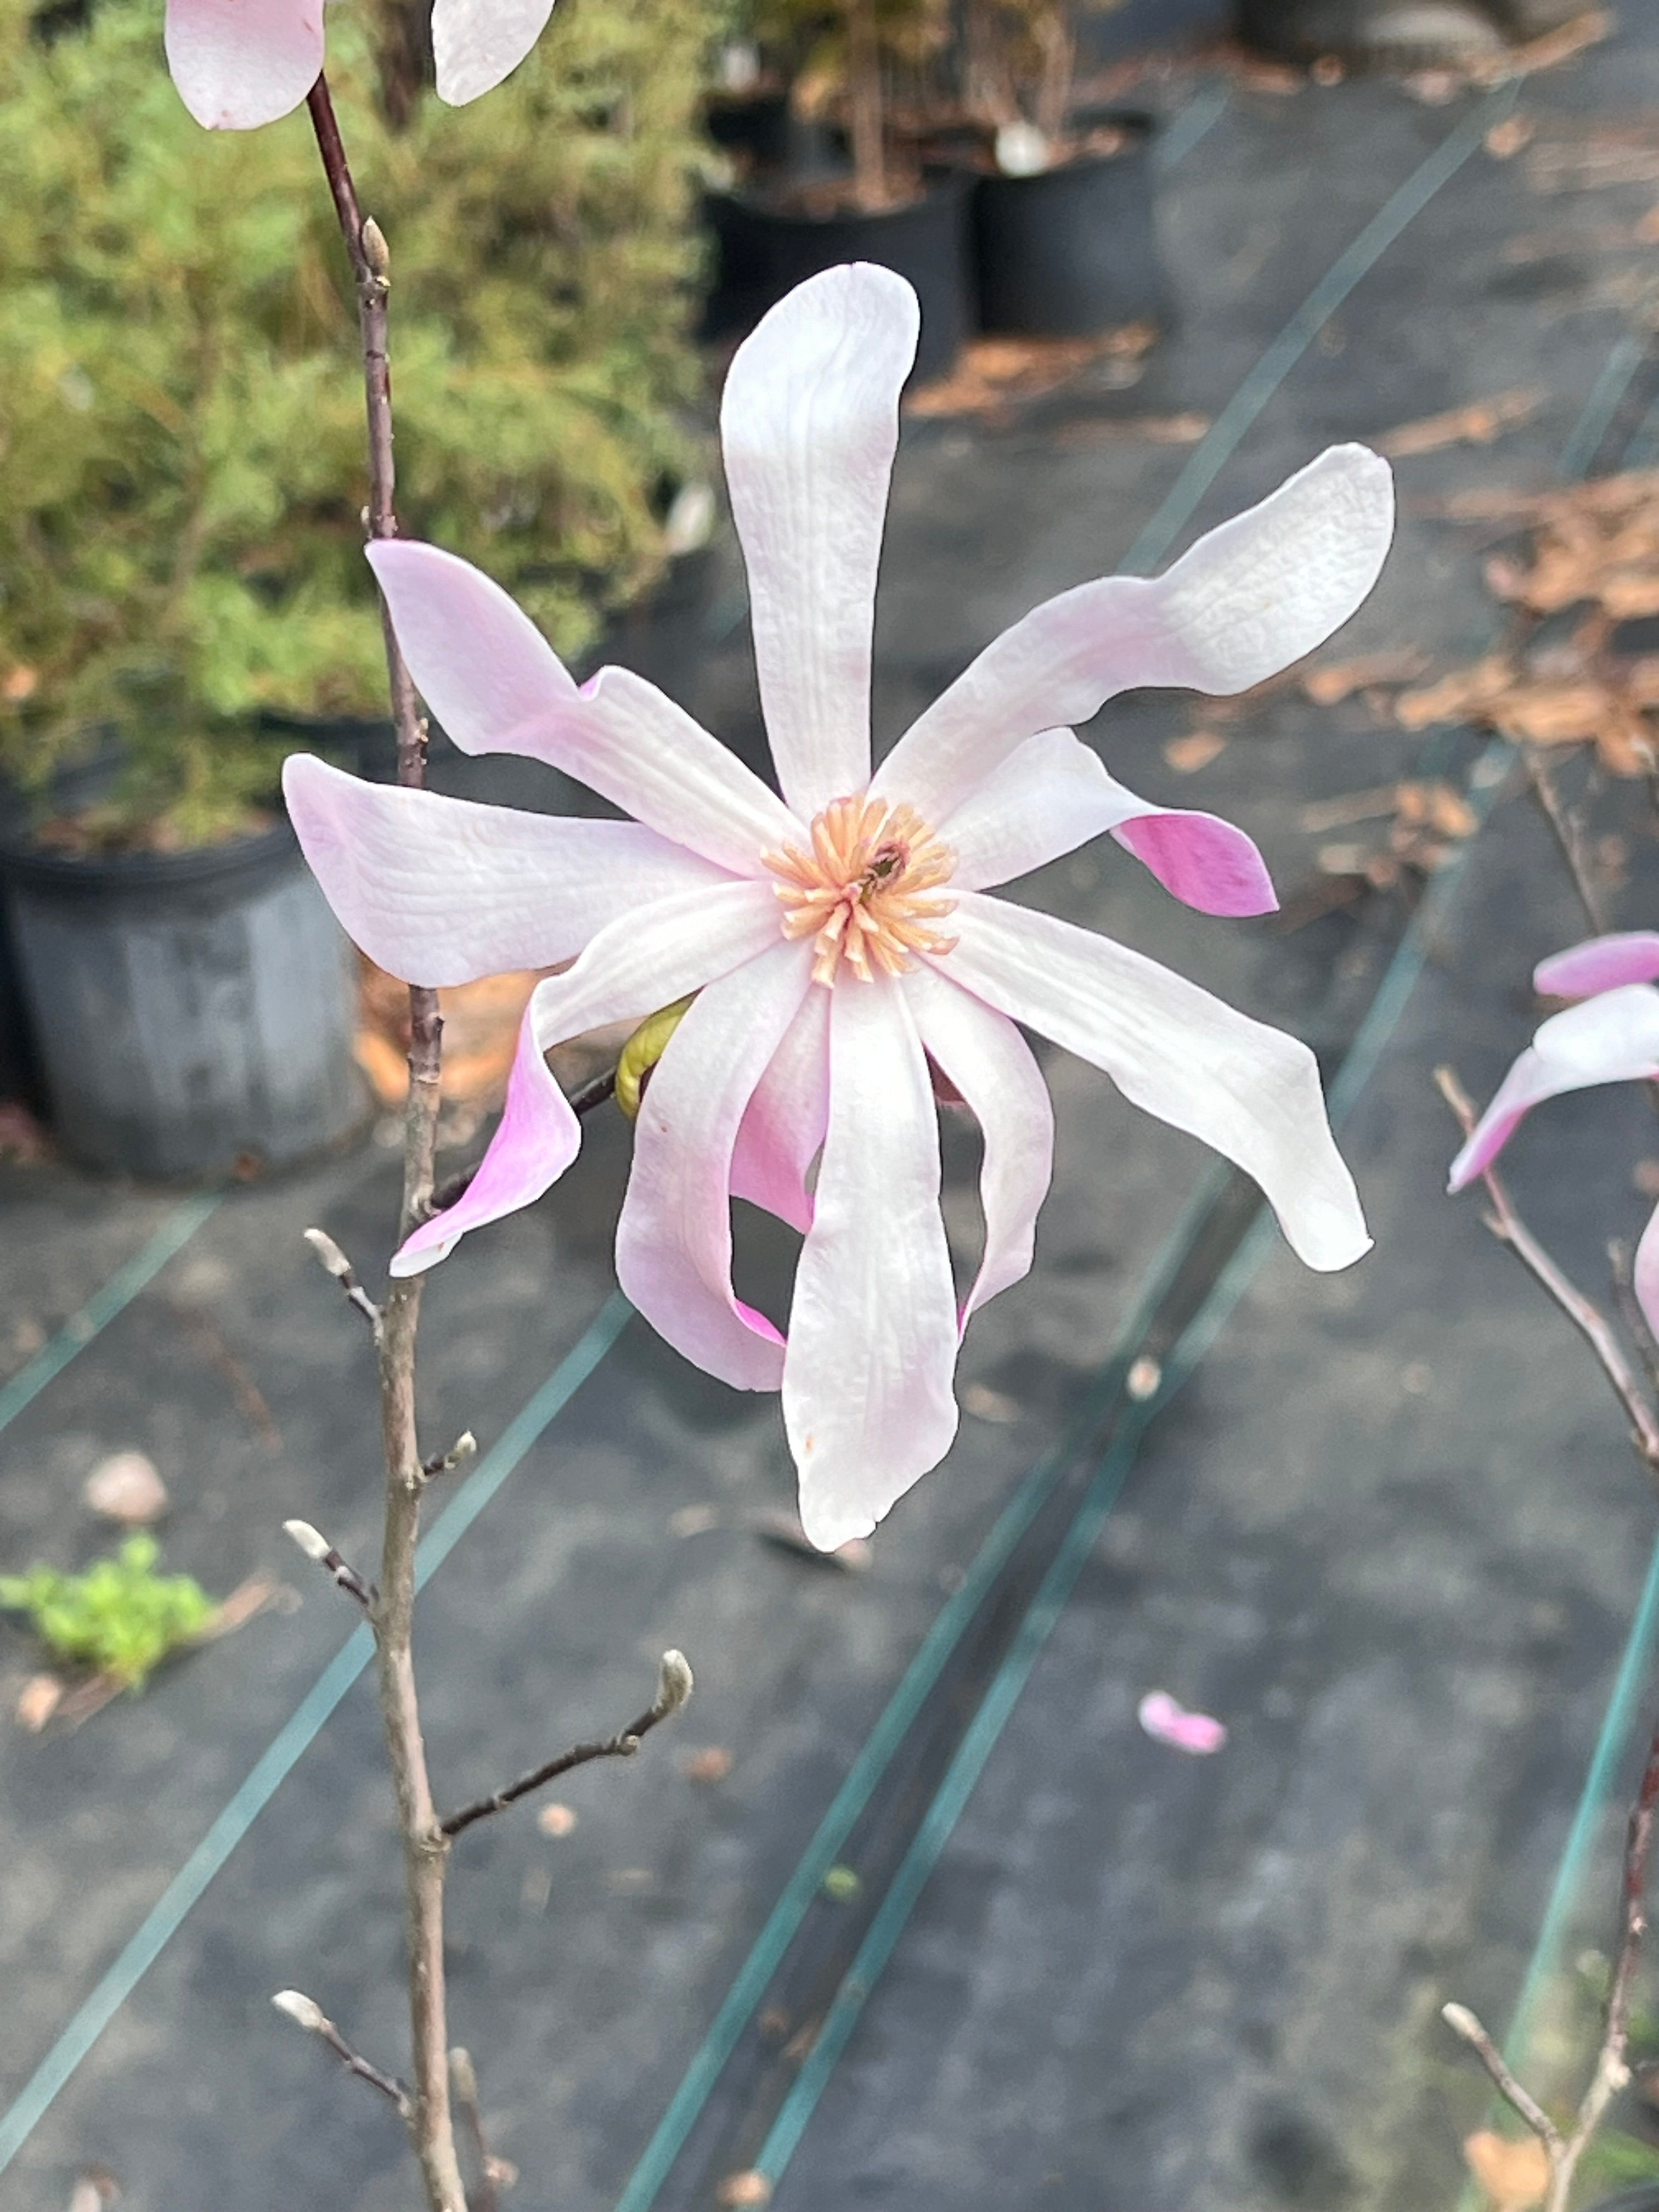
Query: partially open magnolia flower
[(241, 62), (838, 937), (1612, 1038)]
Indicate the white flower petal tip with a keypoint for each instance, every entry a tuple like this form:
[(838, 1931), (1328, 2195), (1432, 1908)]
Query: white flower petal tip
[(1645, 1274), (1167, 1721), (1610, 1039), (1601, 963), (475, 43), (240, 63)]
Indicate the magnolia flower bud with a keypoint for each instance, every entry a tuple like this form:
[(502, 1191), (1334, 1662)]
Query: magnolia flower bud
[(376, 252), (329, 1253), (673, 1684), (312, 1541), (304, 2012)]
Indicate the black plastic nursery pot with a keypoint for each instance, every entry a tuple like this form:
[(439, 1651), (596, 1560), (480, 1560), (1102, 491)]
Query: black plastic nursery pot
[(193, 1011), (1072, 250), (766, 247)]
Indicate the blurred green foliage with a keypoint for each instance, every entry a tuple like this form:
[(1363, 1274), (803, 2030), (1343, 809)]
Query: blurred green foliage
[(121, 1617), (181, 409)]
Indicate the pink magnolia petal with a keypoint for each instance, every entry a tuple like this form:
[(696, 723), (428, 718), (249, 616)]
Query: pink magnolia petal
[(1600, 963), (439, 890), (1052, 794), (1166, 1721), (783, 1127), (1613, 1038), (241, 62), (1249, 1091), (475, 43), (1249, 599), (497, 685), (535, 1140), (674, 1239), (1645, 1274), (872, 1329), (991, 1064), (646, 961), (809, 424)]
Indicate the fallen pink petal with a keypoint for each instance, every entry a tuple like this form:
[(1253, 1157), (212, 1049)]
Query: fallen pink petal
[(1167, 1721)]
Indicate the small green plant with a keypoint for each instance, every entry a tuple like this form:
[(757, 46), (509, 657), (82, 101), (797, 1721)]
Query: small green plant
[(120, 1618)]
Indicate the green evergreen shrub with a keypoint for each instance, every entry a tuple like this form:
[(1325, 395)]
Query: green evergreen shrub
[(181, 411)]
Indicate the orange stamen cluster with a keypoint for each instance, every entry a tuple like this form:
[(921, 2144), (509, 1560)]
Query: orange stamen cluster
[(862, 893)]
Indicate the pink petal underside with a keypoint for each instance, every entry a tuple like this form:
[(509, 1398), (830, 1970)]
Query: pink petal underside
[(992, 1066), (1613, 1038), (1249, 599), (872, 1328), (1600, 963), (1052, 794), (646, 961), (1645, 1272), (1166, 1721), (475, 43), (809, 425), (674, 1239), (241, 62), (1250, 1092), (497, 685), (439, 890), (783, 1127)]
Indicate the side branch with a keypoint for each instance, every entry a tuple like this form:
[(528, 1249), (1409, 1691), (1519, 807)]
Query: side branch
[(304, 2012), (1463, 2022), (1589, 1319), (673, 1689)]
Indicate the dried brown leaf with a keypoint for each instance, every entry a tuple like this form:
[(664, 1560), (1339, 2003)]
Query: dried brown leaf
[(38, 1700), (1514, 2175), (1339, 680), (1465, 691), (1476, 424), (1190, 754)]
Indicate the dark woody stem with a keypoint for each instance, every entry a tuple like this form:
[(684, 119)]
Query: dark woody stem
[(425, 1850)]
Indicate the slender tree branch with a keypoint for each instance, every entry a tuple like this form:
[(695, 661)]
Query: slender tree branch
[(335, 1262), (464, 2088), (316, 1546), (1463, 2022), (425, 1850), (304, 2012), (1587, 1318), (1569, 837), (673, 1689)]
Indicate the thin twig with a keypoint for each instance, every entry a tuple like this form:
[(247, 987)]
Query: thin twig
[(316, 1546), (1568, 837), (335, 1262), (464, 2088), (424, 1850), (1463, 2022), (465, 1447), (673, 1689), (304, 2012), (1591, 1322)]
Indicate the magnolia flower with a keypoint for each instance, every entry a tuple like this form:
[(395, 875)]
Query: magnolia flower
[(1612, 1038), (240, 63), (839, 937)]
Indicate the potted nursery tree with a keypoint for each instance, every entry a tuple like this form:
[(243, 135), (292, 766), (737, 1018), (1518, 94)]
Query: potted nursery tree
[(180, 539), (878, 204)]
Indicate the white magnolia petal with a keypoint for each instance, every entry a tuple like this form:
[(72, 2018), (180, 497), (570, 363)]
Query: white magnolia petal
[(238, 63), (1644, 1275), (992, 1066), (1249, 599), (783, 1127), (1052, 794), (1250, 1092), (497, 685), (475, 43), (809, 424), (872, 1328), (1600, 964), (674, 1238), (441, 891), (1613, 1038)]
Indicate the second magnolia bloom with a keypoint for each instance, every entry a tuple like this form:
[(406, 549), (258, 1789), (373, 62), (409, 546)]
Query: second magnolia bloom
[(836, 941)]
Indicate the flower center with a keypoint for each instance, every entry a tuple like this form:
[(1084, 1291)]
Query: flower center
[(864, 893)]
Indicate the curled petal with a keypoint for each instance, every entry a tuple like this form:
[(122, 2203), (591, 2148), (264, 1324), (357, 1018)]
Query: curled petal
[(782, 1128), (1645, 1272), (872, 1329), (1052, 794), (626, 971), (497, 685), (241, 62), (809, 424), (991, 1064), (674, 1239), (1613, 1038), (1249, 599), (1249, 1091), (1167, 1721), (475, 43), (1600, 963), (439, 890)]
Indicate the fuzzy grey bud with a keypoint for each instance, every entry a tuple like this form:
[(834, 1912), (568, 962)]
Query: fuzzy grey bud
[(673, 1684), (329, 1253), (311, 1542), (304, 2012)]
